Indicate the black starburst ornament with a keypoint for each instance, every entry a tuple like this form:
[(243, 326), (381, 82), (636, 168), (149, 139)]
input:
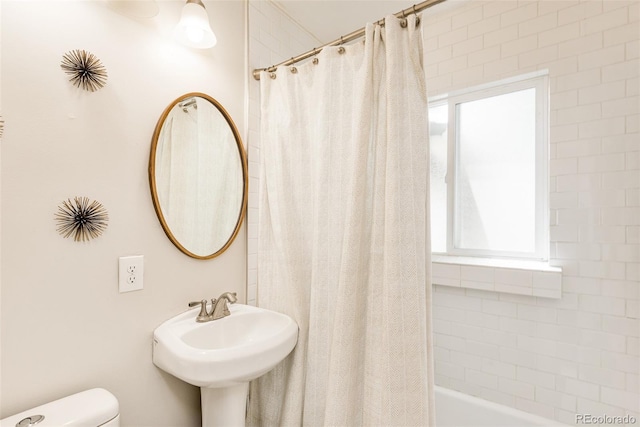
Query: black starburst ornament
[(85, 69), (81, 219)]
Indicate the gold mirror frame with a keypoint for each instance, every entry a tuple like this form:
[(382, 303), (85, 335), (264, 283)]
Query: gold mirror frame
[(152, 177)]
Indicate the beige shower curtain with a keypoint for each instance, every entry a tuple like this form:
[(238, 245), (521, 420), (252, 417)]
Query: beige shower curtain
[(343, 237)]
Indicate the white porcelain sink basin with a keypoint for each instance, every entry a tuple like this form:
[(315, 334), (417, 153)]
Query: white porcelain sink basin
[(225, 352)]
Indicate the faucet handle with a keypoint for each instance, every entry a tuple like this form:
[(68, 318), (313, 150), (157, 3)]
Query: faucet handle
[(202, 316), (232, 297)]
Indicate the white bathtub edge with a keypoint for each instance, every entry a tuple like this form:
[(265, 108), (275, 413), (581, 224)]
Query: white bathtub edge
[(467, 403)]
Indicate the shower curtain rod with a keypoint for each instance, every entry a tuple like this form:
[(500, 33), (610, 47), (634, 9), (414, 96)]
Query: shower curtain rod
[(345, 39)]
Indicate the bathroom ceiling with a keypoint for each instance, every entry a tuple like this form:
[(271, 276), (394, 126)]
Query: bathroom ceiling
[(327, 20)]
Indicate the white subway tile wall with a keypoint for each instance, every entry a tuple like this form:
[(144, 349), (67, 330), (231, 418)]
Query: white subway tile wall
[(273, 37), (577, 353)]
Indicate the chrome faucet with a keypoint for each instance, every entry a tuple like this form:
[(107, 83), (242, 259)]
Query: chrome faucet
[(219, 307)]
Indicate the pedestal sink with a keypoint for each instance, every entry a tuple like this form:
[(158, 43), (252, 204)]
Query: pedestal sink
[(222, 356)]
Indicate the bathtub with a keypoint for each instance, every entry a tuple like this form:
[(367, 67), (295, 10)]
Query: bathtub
[(455, 409)]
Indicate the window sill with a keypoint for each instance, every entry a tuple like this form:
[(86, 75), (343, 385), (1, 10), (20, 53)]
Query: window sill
[(533, 278)]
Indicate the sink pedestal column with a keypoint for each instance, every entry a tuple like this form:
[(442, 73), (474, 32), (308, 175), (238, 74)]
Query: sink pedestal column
[(224, 407)]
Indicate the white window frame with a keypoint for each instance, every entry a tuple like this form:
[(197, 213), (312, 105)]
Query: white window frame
[(540, 82)]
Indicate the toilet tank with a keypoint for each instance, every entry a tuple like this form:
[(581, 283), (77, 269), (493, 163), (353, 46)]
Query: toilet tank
[(91, 408)]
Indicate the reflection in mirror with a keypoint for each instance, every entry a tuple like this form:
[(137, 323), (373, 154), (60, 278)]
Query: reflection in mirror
[(198, 175)]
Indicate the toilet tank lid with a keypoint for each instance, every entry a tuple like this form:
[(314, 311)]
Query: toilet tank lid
[(88, 408)]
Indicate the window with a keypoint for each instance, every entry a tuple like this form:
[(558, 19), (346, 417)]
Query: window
[(489, 167)]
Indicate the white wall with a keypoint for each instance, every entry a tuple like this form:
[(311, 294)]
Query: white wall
[(273, 38), (578, 354), (65, 327)]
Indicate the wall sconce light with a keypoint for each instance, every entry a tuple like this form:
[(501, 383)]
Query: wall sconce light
[(193, 29)]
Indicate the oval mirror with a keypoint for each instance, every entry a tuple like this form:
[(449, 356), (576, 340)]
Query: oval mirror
[(198, 175)]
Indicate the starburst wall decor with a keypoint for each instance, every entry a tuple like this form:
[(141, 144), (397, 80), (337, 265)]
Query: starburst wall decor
[(85, 69), (81, 219)]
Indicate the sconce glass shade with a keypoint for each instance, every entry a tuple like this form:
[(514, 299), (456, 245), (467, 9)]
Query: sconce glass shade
[(194, 30)]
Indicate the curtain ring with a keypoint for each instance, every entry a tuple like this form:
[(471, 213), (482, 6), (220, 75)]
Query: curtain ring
[(341, 49), (403, 21), (294, 70), (416, 15), (315, 58), (271, 70)]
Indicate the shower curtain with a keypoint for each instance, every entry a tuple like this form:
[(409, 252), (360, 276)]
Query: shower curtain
[(343, 238)]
